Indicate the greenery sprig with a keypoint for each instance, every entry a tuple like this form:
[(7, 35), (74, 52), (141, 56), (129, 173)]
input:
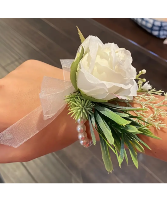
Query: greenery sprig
[(119, 128), (115, 125), (79, 107)]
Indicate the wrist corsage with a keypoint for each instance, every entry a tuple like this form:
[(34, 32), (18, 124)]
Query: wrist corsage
[(105, 85), (99, 86)]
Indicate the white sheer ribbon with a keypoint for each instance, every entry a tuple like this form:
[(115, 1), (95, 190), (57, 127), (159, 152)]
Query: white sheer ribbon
[(53, 92)]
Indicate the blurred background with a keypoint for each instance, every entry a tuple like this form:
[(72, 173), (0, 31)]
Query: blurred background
[(50, 40), (147, 32)]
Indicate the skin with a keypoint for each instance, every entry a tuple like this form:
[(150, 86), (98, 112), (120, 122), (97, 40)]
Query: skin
[(23, 85)]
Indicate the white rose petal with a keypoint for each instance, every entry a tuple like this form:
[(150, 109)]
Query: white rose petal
[(105, 71), (146, 86)]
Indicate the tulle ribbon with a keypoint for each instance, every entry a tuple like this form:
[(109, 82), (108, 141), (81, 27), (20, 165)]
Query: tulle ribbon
[(52, 97)]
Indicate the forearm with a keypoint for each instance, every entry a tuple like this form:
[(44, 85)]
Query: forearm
[(158, 147), (19, 96)]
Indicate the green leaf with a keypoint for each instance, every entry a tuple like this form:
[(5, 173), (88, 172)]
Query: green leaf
[(121, 152), (104, 127), (117, 144), (117, 140), (93, 120), (141, 119), (133, 153), (132, 129), (122, 114), (132, 109), (74, 67), (136, 137), (110, 114), (91, 98), (80, 35), (126, 157), (107, 143), (123, 108), (138, 146), (148, 133), (92, 132), (106, 155), (116, 153), (133, 122)]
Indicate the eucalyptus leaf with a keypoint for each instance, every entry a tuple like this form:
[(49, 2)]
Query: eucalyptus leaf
[(106, 155), (74, 66), (104, 127), (110, 114)]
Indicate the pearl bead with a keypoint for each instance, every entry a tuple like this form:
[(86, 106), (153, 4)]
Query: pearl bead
[(81, 121), (82, 136), (84, 142), (81, 128)]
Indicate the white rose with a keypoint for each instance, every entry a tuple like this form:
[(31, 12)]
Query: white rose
[(105, 72), (146, 86)]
